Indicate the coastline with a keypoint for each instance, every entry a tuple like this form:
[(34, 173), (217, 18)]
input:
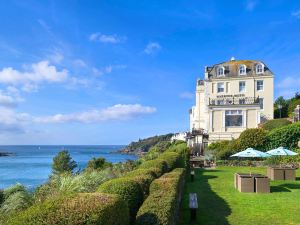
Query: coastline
[(4, 154)]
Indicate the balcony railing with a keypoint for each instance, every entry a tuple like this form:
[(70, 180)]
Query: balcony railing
[(233, 101)]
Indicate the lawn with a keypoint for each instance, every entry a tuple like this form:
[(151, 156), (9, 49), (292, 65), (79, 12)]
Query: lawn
[(220, 203)]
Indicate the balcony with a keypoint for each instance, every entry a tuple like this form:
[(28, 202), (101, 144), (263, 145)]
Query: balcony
[(225, 101)]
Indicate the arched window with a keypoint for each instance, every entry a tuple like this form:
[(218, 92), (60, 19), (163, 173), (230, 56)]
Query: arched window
[(242, 70), (221, 71), (259, 68)]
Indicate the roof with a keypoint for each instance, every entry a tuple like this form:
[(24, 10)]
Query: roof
[(232, 68)]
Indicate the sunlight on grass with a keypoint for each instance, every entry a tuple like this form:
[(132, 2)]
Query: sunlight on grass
[(220, 203)]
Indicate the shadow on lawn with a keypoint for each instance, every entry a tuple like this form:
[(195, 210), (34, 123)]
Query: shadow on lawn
[(213, 210)]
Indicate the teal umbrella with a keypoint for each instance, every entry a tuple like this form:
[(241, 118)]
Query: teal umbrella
[(281, 151), (251, 153)]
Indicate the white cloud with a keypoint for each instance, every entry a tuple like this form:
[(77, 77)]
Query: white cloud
[(296, 14), (35, 74), (116, 112), (288, 86), (152, 47), (79, 63), (186, 95), (250, 5), (107, 69), (12, 122), (104, 38), (56, 57)]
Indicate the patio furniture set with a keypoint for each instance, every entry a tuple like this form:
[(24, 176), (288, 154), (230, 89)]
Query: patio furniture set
[(260, 183)]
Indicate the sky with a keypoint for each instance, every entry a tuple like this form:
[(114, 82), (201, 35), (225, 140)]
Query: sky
[(113, 71)]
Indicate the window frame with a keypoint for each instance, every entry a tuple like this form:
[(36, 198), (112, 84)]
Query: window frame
[(223, 71), (232, 113), (244, 86), (260, 85), (262, 68), (244, 68), (218, 87)]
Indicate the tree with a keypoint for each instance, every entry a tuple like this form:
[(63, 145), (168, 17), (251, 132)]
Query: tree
[(63, 163), (283, 112), (253, 138), (97, 164)]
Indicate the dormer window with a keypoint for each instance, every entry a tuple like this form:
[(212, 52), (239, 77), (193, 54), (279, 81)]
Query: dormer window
[(242, 70), (221, 71), (259, 68)]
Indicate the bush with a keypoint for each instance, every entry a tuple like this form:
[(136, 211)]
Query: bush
[(224, 149), (144, 181), (276, 123), (162, 205), (156, 163), (127, 189), (92, 209), (15, 198), (253, 138), (97, 164), (287, 136), (172, 159), (137, 172)]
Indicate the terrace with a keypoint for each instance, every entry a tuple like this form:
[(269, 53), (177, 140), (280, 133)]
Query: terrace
[(233, 100)]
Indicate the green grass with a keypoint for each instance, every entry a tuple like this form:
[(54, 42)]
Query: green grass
[(220, 203)]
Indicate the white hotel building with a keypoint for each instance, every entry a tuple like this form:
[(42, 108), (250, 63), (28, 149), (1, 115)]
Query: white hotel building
[(233, 96)]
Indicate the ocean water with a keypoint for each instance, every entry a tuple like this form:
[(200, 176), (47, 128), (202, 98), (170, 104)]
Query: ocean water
[(31, 165)]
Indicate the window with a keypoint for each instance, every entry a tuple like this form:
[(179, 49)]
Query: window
[(261, 103), (242, 70), (220, 87), (221, 71), (242, 86), (259, 68), (260, 85), (233, 118)]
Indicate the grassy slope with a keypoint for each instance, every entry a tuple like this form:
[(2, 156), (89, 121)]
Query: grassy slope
[(220, 203)]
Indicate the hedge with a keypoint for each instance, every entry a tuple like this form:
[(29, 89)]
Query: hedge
[(287, 136), (162, 205), (87, 208), (172, 159), (276, 123), (253, 138), (151, 171), (155, 163), (144, 181), (128, 189)]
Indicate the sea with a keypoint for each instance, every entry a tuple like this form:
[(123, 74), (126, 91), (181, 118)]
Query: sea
[(30, 165)]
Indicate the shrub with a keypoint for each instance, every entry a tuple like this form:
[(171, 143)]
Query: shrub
[(15, 198), (128, 189), (162, 205), (287, 136), (172, 159), (224, 149), (1, 196), (276, 123), (253, 138), (92, 209), (156, 163), (97, 164), (137, 172), (144, 181)]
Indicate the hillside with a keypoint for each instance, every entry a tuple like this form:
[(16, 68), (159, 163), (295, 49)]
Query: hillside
[(143, 145)]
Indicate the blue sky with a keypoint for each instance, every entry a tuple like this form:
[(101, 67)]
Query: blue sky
[(108, 72)]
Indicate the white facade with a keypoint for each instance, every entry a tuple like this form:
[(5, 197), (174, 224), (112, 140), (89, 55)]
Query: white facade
[(179, 136), (233, 96)]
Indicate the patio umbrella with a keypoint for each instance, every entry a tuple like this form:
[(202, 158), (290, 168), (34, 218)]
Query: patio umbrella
[(281, 151), (250, 153)]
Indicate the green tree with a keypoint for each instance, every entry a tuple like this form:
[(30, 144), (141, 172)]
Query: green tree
[(283, 112), (253, 138), (63, 163), (97, 164)]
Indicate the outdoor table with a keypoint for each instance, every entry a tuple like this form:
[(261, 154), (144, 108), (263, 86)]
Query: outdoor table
[(193, 205), (252, 183), (281, 173)]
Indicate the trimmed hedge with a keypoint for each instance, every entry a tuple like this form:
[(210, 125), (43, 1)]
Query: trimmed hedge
[(144, 181), (87, 208), (151, 171), (156, 163), (172, 159), (128, 189), (276, 123), (287, 136), (161, 206)]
